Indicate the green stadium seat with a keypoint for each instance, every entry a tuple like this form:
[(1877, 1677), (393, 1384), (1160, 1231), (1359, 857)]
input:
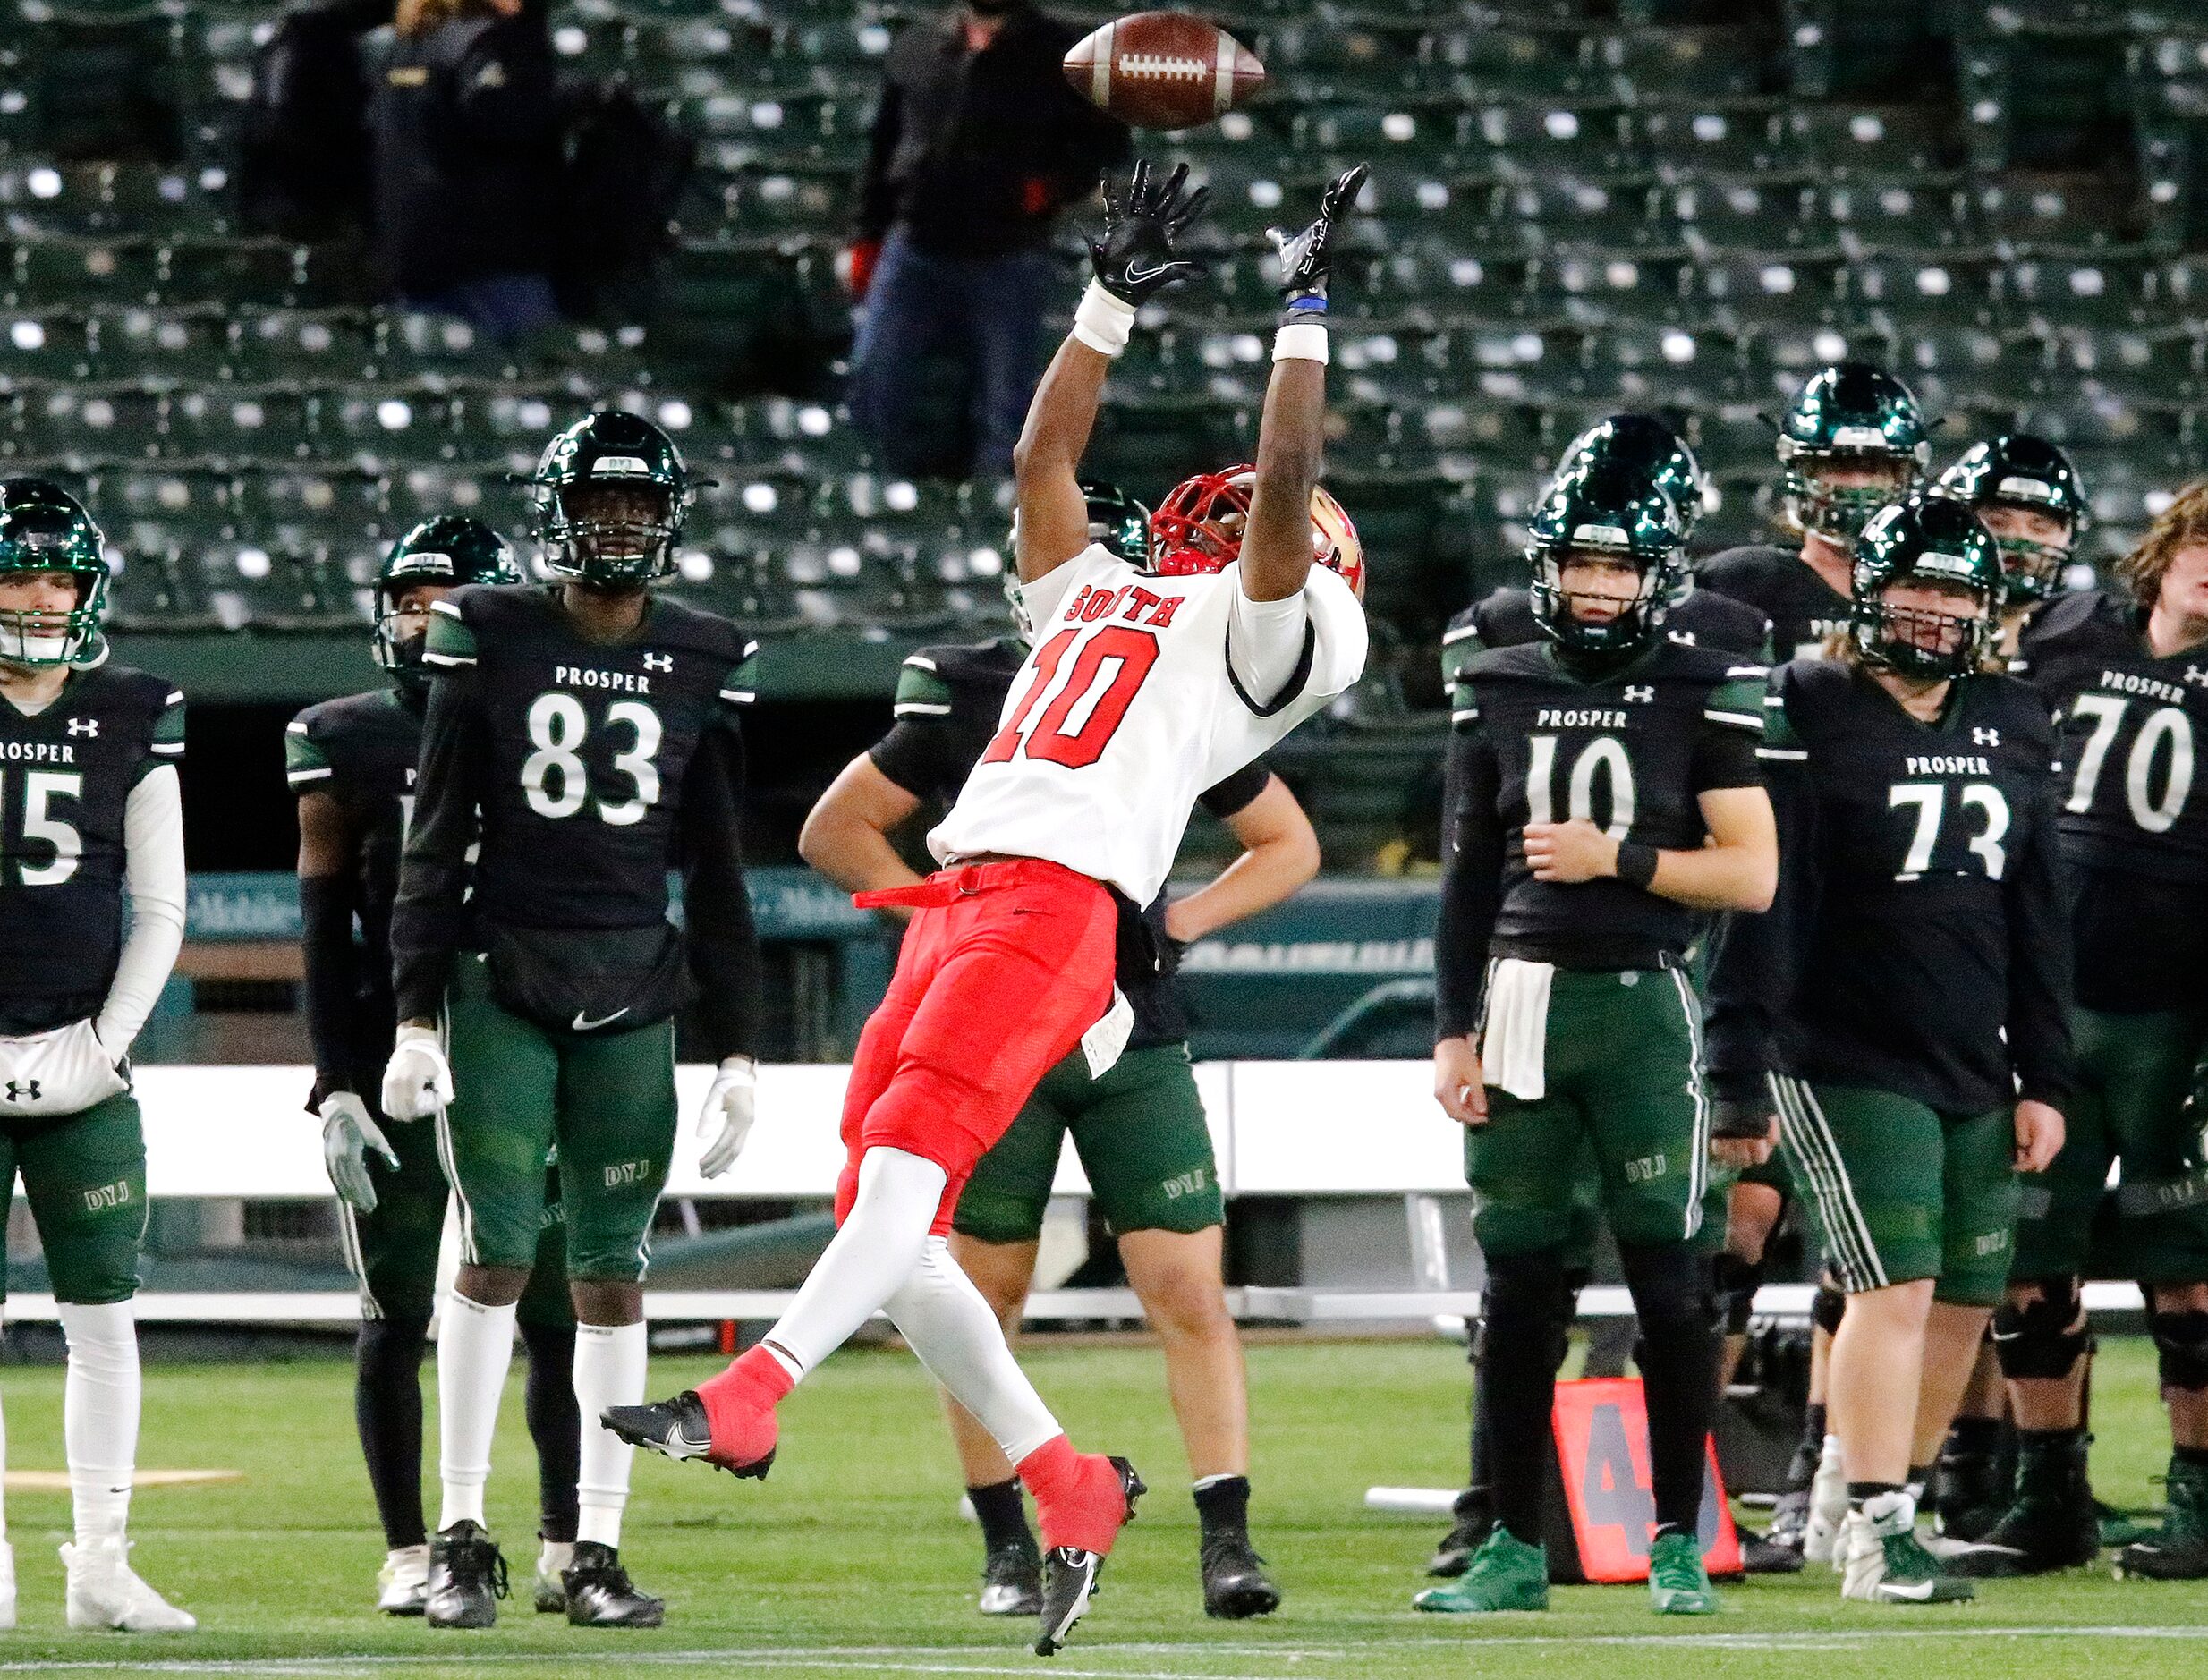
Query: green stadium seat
[(383, 424), (311, 346), (1754, 212), (87, 423), (38, 346), (160, 346), (1673, 63), (242, 423), (2112, 286), (1941, 286), (1750, 291), (1973, 366), (1533, 139), (158, 591), (1740, 136), (155, 509), (1884, 140), (1614, 210), (61, 269), (424, 490), (1919, 207)]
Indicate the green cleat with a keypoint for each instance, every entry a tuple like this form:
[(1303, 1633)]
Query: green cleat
[(2178, 1550), (1505, 1574), (1678, 1584)]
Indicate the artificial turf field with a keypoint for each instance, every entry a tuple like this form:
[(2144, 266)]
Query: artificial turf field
[(852, 1559)]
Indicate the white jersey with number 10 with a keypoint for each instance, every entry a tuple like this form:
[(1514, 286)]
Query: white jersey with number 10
[(1126, 710)]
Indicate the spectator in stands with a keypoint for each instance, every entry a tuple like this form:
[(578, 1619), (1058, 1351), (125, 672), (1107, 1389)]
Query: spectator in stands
[(977, 143), (465, 117)]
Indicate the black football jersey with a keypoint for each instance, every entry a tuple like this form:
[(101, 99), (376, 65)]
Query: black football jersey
[(1802, 608), (65, 778), (584, 760), (361, 750), (2133, 811), (1918, 944), (949, 704), (1629, 750), (1699, 619)]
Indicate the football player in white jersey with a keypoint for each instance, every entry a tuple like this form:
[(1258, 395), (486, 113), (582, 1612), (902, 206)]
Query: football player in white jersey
[(1141, 690)]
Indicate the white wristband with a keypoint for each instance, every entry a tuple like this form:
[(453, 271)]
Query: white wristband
[(1301, 341), (739, 1070), (1103, 321)]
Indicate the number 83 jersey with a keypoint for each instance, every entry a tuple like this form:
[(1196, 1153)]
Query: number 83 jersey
[(1126, 710), (2132, 806), (584, 747)]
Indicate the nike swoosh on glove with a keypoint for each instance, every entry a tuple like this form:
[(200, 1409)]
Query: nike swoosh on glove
[(1138, 254), (348, 1133), (418, 1081), (725, 1122)]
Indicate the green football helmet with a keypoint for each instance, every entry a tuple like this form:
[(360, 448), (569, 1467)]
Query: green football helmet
[(44, 529), (1118, 522), (1603, 508), (2017, 470), (1930, 540), (1850, 415), (1644, 444), (608, 498), (450, 549)]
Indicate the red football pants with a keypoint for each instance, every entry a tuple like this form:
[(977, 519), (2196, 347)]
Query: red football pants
[(1002, 971)]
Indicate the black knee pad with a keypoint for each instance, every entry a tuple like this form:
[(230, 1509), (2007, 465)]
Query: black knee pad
[(2046, 1338), (2181, 1339), (1826, 1307), (1737, 1280), (1671, 1285)]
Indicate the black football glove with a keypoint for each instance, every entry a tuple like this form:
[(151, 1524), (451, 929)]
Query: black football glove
[(1307, 259), (1135, 258)]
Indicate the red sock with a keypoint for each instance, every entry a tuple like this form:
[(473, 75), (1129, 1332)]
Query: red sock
[(740, 1404), (1078, 1497)]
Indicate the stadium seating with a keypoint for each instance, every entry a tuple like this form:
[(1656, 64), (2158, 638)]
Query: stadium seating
[(1574, 207)]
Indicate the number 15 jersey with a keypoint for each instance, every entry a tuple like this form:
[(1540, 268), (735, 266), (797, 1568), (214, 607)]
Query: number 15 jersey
[(1127, 710)]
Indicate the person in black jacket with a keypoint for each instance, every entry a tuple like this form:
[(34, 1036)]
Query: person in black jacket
[(465, 117), (1905, 1005), (977, 144)]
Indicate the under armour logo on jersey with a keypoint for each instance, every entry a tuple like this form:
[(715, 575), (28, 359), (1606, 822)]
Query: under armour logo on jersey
[(2196, 677), (84, 725), (1684, 638), (23, 1090), (1640, 691), (659, 662), (1985, 737)]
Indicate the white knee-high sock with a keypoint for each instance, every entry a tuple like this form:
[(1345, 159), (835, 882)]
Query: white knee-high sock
[(4, 1474), (944, 1318), (609, 1372), (474, 1347), (99, 1416), (867, 1261)]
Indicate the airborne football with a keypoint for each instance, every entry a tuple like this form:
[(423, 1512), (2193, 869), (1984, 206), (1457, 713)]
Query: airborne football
[(1358, 839)]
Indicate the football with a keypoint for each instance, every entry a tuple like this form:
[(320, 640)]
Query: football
[(1163, 70)]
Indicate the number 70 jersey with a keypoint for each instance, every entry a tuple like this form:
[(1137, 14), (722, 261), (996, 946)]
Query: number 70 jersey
[(1126, 710)]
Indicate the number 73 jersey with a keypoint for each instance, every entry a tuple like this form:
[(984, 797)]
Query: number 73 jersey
[(1126, 710)]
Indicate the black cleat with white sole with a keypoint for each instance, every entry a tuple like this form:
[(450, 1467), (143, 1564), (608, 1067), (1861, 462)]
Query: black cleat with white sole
[(1069, 1574), (601, 1594), (467, 1578), (677, 1429), (1236, 1586), (1011, 1580)]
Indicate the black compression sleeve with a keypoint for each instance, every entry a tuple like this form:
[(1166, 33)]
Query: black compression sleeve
[(1224, 798), (332, 969), (433, 875), (1472, 878), (719, 936), (2039, 962), (919, 755), (1751, 980)]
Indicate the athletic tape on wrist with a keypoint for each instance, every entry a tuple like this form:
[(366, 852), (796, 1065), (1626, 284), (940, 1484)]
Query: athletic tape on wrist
[(1103, 321), (1301, 341)]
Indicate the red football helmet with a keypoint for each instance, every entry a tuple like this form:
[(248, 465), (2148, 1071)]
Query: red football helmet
[(1198, 529)]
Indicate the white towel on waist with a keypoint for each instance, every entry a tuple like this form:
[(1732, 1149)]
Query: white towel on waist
[(1514, 1044)]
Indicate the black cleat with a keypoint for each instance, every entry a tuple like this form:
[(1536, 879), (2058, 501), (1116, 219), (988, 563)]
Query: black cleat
[(677, 1429), (1762, 1555), (2178, 1550), (467, 1578), (2050, 1522), (1476, 1516), (1069, 1578), (601, 1594), (1069, 1574), (1235, 1584), (1011, 1580)]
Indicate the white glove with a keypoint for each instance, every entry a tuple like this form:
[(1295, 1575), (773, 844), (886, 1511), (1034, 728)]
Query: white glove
[(348, 1133), (726, 1120), (418, 1082)]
